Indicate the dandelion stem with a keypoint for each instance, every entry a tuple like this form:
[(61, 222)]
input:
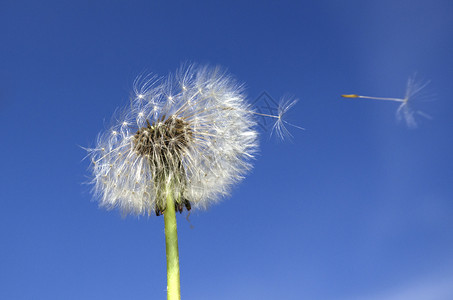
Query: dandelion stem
[(171, 244)]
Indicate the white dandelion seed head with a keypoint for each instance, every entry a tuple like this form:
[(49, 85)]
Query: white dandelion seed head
[(191, 134)]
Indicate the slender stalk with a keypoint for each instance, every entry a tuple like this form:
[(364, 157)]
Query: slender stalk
[(382, 98), (375, 98), (171, 244)]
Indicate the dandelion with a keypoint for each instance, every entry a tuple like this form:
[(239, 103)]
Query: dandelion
[(406, 110), (182, 143)]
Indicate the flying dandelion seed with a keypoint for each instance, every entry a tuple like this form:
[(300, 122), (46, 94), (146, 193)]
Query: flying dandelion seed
[(269, 109), (407, 108)]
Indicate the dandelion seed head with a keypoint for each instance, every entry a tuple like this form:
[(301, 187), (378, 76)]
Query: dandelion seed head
[(194, 144)]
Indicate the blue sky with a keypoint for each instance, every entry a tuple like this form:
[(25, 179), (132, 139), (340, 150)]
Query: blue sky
[(357, 206)]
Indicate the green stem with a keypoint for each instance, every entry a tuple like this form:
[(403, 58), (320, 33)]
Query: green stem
[(171, 244)]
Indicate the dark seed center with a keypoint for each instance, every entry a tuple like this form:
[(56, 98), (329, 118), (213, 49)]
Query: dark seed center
[(164, 143), (162, 138)]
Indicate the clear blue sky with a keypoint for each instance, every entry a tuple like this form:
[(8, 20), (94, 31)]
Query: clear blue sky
[(357, 206)]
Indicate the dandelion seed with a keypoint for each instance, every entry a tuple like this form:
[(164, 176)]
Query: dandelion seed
[(407, 108), (267, 108), (279, 126)]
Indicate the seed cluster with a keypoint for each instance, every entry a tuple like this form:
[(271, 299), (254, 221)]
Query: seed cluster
[(163, 138), (190, 136), (164, 143)]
